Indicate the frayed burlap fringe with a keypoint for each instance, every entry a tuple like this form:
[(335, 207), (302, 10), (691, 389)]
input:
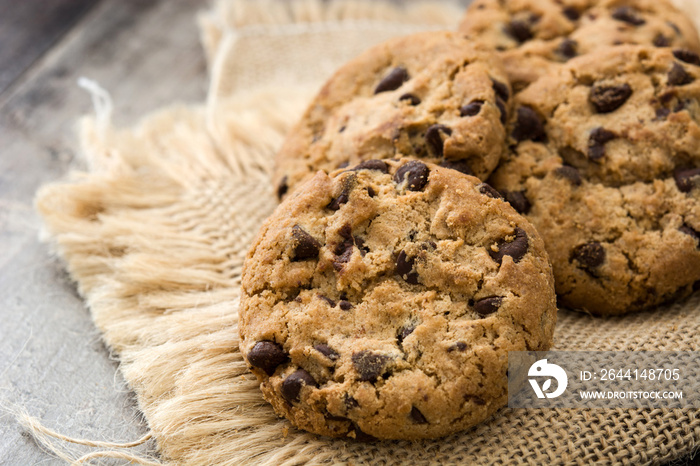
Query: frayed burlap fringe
[(56, 443), (155, 235)]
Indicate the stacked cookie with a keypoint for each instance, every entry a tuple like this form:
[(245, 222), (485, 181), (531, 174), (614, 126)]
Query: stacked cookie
[(432, 96), (604, 147), (533, 37), (382, 296)]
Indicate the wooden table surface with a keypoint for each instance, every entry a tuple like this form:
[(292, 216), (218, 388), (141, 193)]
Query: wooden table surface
[(52, 360), (146, 54)]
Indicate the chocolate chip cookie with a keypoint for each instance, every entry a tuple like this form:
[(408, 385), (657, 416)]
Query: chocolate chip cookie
[(605, 162), (382, 301), (535, 36), (431, 96)]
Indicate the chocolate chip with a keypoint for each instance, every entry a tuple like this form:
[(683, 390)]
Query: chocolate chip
[(434, 138), (687, 56), (343, 257), (335, 204), (304, 246), (568, 48), (589, 256), (628, 15), (393, 80), (571, 13), (429, 245), (570, 173), (678, 76), (487, 190), (471, 109), (345, 305), (404, 267), (370, 191), (686, 180), (500, 89), (350, 402), (487, 306), (291, 387), (502, 109), (404, 332), (345, 232), (348, 183), (327, 351), (330, 302), (360, 243), (515, 249), (607, 99), (680, 105), (461, 166), (369, 365), (344, 249), (459, 346), (662, 113), (667, 96), (412, 99), (688, 230), (529, 126), (661, 41), (267, 355), (415, 172), (417, 416), (377, 165), (519, 30), (282, 187), (596, 142), (518, 200)]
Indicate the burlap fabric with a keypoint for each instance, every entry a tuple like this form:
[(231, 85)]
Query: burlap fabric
[(155, 234)]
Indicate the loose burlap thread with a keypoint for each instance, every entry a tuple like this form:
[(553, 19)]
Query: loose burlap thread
[(155, 233)]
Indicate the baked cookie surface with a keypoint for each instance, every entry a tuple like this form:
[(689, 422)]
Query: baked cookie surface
[(605, 162), (431, 95), (535, 36), (383, 301)]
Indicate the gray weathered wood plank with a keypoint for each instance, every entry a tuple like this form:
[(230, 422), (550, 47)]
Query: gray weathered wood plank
[(29, 28), (146, 53)]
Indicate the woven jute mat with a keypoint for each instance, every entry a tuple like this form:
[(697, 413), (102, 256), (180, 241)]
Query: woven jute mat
[(155, 233)]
